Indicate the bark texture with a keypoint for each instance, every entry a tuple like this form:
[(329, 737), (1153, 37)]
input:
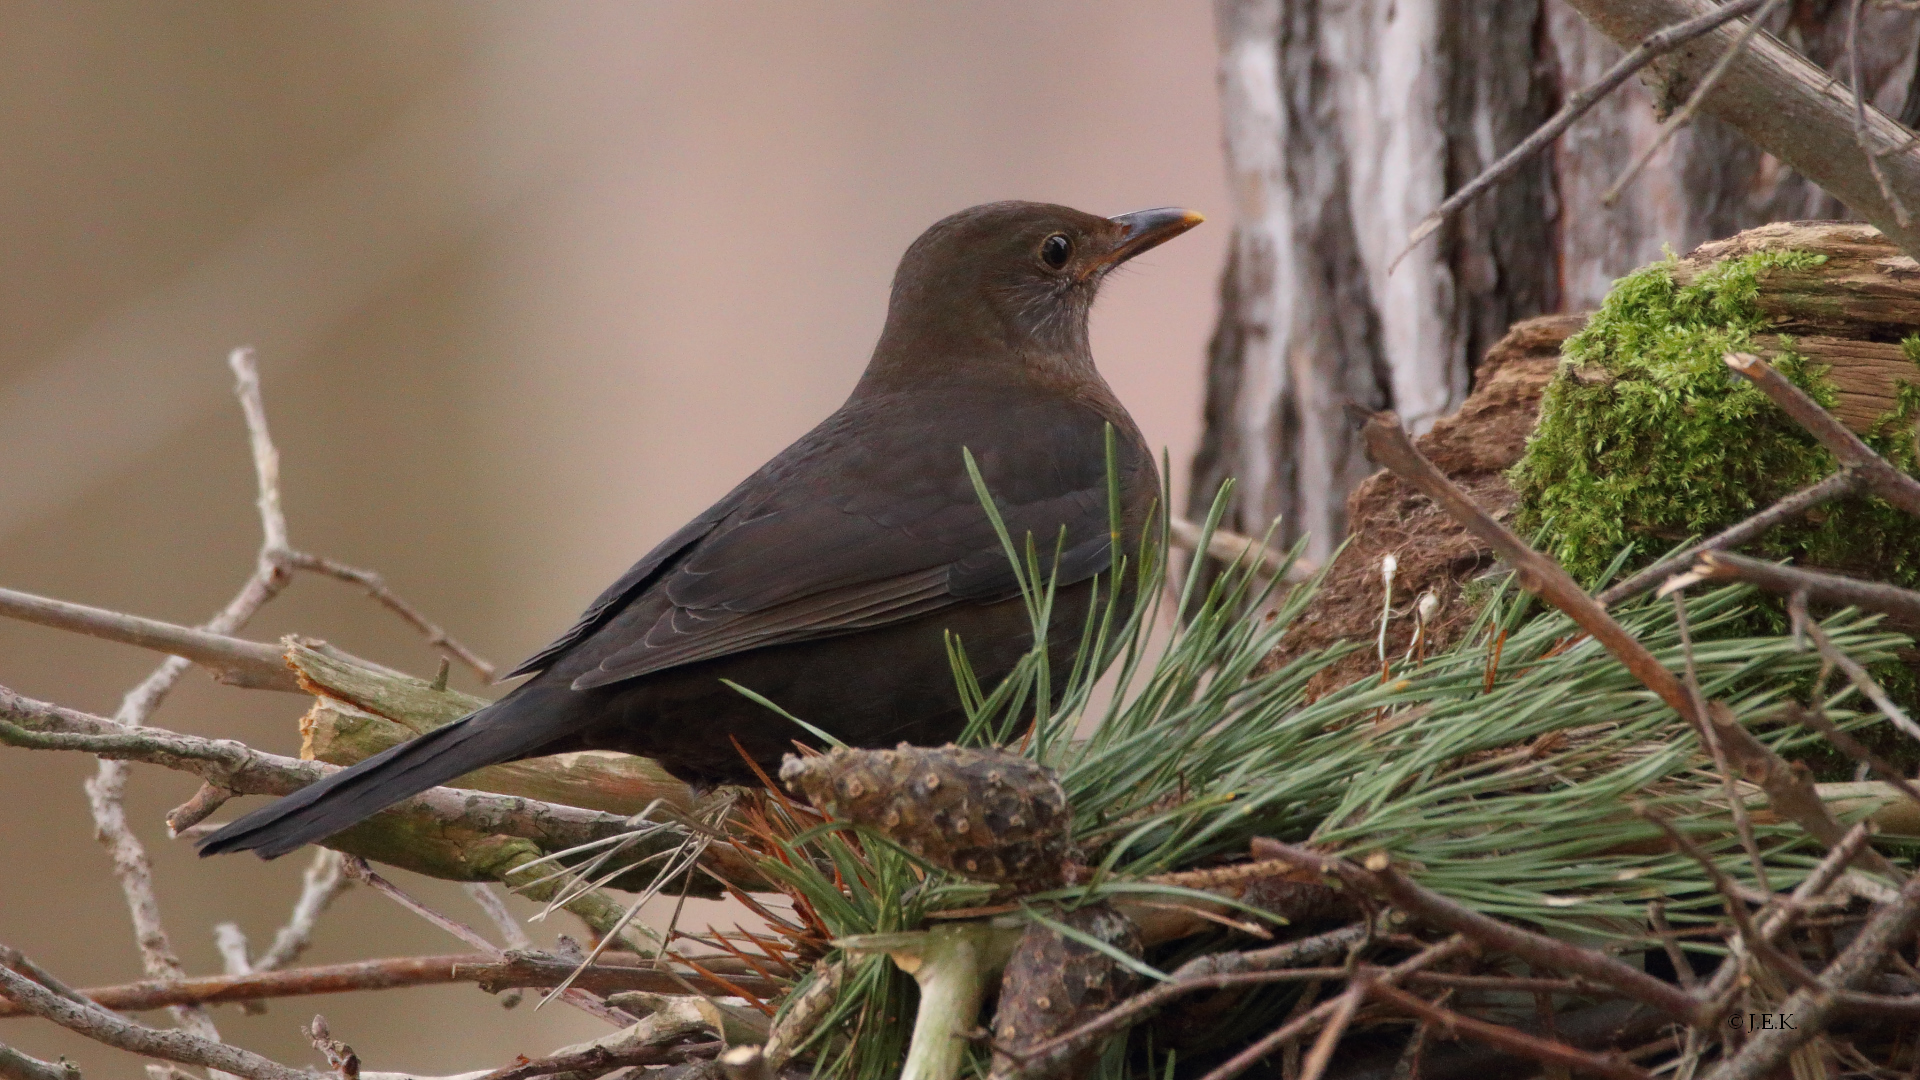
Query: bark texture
[(1345, 121)]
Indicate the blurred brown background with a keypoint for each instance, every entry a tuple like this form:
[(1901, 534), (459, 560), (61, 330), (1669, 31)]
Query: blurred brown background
[(531, 284)]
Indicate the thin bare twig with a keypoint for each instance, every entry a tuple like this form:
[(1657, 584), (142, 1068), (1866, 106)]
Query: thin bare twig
[(1858, 751), (1336, 1028), (1776, 922), (1876, 472), (1889, 927), (357, 869), (106, 790), (1545, 1051), (1685, 112), (1389, 884), (244, 770), (205, 802), (231, 660), (1804, 623), (16, 961), (1737, 806), (1321, 1013), (490, 972), (177, 1045), (1860, 136), (510, 929), (15, 1065), (1844, 482), (1195, 974), (1577, 105), (1682, 967), (377, 588), (1756, 943), (1788, 580), (323, 882), (496, 911), (598, 1060)]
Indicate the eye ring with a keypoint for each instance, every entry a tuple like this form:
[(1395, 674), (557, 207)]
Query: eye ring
[(1055, 250)]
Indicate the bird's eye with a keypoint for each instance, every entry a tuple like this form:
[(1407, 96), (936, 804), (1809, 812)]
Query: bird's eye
[(1055, 250)]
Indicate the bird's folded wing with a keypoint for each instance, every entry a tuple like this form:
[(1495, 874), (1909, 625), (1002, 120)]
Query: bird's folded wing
[(608, 603), (818, 569)]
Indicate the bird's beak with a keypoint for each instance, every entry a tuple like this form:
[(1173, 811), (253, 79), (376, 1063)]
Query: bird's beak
[(1148, 229)]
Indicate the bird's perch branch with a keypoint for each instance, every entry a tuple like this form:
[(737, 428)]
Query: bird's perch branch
[(231, 660), (445, 833)]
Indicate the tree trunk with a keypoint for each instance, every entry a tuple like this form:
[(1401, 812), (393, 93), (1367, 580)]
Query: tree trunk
[(1346, 121)]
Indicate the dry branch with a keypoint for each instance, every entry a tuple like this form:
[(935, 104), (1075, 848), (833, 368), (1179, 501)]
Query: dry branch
[(1781, 101), (1306, 1022), (493, 973), (1876, 472), (231, 660), (1645, 49), (1545, 1051), (15, 1065), (1891, 926), (1387, 883), (1858, 675), (446, 833), (598, 1061), (179, 1045), (1903, 604), (1844, 482), (1200, 973)]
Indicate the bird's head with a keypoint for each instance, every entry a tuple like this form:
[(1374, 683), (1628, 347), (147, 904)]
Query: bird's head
[(1016, 279)]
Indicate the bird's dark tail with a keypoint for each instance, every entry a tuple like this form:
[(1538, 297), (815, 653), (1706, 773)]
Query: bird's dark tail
[(509, 729)]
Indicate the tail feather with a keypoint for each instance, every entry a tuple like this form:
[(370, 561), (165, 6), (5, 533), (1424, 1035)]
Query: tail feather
[(502, 731)]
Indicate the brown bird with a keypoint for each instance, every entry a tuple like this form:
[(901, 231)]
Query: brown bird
[(828, 580)]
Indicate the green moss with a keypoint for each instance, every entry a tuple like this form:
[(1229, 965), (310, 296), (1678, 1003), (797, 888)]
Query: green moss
[(1646, 439)]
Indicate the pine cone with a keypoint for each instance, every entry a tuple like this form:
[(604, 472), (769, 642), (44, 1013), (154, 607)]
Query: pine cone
[(986, 814), (1054, 984)]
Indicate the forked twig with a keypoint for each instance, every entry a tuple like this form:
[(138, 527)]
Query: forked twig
[(178, 1045), (1876, 472), (1577, 105), (1785, 580), (1861, 679), (357, 869), (1326, 1010), (1685, 112)]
